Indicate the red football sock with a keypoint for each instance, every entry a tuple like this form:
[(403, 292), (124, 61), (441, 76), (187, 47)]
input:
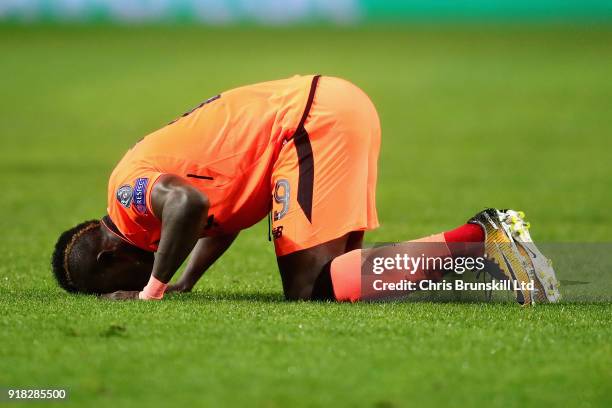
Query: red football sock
[(464, 241)]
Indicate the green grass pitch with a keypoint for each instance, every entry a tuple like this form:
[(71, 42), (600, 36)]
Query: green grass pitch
[(471, 116)]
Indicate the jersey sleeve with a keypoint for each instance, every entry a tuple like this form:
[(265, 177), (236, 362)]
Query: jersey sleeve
[(130, 208)]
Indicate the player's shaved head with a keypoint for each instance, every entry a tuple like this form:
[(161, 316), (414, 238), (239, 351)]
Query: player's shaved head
[(88, 259)]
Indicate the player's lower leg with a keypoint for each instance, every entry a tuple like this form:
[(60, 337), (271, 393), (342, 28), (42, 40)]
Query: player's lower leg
[(346, 270), (500, 236)]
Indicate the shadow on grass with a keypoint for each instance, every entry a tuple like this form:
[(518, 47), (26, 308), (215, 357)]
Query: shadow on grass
[(223, 295), (205, 296)]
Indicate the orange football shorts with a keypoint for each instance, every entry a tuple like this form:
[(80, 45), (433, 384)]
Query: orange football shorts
[(324, 180)]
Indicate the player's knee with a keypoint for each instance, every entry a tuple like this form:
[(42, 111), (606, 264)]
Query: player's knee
[(307, 274), (318, 289), (298, 292)]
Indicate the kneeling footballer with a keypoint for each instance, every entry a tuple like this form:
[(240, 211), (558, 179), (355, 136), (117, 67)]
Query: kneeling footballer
[(303, 150)]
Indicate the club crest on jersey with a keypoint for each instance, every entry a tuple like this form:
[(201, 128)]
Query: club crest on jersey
[(124, 195), (140, 195)]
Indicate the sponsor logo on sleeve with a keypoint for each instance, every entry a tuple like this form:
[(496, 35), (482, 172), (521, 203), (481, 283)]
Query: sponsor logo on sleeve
[(140, 195), (124, 195)]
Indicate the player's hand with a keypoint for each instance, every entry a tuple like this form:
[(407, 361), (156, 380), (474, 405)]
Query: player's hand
[(121, 295)]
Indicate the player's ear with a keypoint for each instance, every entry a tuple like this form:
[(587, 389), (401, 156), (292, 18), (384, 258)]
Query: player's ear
[(104, 256)]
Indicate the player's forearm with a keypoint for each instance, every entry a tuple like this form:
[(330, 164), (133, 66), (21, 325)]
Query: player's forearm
[(183, 219), (205, 253)]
